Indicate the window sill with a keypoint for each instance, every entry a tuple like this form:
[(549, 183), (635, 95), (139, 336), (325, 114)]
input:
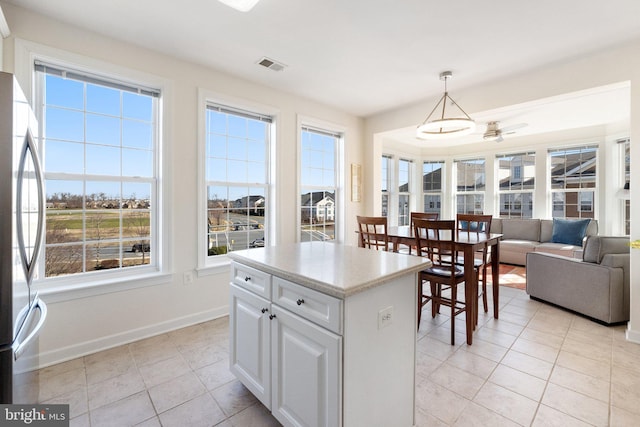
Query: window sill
[(67, 290), (219, 266)]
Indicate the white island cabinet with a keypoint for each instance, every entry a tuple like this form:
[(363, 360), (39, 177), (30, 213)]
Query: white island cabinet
[(325, 334)]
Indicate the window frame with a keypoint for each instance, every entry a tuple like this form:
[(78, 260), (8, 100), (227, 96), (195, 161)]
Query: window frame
[(511, 191), (440, 193), (208, 265), (386, 178), (64, 288), (595, 147), (306, 122), (475, 193)]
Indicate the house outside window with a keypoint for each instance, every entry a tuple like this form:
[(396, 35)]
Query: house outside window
[(627, 179), (236, 174), (318, 183), (516, 184), (386, 175), (404, 191), (432, 186), (573, 181), (470, 186), (101, 170)]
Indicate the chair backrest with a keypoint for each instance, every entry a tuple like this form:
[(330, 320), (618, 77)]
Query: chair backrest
[(474, 223), (423, 215), (373, 232), (434, 239)]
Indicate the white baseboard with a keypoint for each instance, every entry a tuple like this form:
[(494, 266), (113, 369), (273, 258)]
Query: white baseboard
[(632, 336), (64, 354)]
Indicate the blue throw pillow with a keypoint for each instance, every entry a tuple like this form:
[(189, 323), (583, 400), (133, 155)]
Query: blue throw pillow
[(569, 231), (473, 227)]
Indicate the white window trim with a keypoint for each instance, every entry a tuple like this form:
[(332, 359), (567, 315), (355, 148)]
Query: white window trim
[(73, 287), (306, 121), (209, 265), (454, 186), (499, 192), (440, 193)]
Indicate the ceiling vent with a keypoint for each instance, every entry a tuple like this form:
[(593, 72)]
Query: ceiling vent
[(271, 64)]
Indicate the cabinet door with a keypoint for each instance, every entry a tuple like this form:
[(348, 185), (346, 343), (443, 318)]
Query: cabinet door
[(249, 349), (306, 382)]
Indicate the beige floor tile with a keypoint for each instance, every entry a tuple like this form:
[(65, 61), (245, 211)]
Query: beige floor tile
[(62, 384), (191, 335), (505, 402), (61, 368), (518, 319), (585, 365), (623, 358), (625, 389), (77, 401), (486, 349), (126, 412), (621, 417), (504, 326), (457, 380), (582, 383), (535, 349), (175, 392), (584, 408), (113, 366), (519, 382), (472, 363), (164, 370), (544, 323), (215, 375), (426, 364), (476, 415), (151, 422), (549, 417), (113, 389), (542, 337), (233, 398), (254, 416), (200, 356), (435, 348), (427, 420), (202, 411), (522, 310), (439, 402), (494, 337), (153, 351), (528, 364), (80, 421), (592, 350), (443, 333)]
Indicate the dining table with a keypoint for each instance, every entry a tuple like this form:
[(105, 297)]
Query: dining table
[(467, 243)]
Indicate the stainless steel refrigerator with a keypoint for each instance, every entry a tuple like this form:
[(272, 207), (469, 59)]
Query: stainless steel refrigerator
[(22, 209)]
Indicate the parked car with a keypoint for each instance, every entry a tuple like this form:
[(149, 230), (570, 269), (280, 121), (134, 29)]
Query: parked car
[(141, 247), (258, 243)]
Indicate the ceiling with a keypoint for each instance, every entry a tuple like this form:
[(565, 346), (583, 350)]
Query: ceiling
[(361, 56)]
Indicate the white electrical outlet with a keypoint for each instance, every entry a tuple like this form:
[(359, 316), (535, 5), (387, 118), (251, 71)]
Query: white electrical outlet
[(385, 317), (187, 279)]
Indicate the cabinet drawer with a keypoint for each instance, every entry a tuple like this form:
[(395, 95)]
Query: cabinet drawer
[(321, 309), (251, 279)]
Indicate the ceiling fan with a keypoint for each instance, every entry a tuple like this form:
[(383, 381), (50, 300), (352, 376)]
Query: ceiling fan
[(495, 133)]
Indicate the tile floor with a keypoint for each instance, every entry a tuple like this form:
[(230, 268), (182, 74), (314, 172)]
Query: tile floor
[(536, 366)]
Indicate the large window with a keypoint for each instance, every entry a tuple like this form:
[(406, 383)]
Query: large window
[(404, 191), (624, 194), (470, 186), (237, 147), (100, 145), (385, 172), (516, 182), (318, 183), (573, 182), (432, 186)]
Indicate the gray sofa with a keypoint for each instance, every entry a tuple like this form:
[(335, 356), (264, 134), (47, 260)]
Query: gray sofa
[(596, 285), (521, 236)]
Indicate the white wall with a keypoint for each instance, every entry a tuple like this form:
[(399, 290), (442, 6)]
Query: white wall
[(614, 65), (90, 323)]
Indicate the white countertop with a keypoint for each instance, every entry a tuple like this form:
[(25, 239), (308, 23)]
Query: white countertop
[(331, 268)]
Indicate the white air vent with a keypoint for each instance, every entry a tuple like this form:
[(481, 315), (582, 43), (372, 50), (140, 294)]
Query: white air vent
[(271, 64)]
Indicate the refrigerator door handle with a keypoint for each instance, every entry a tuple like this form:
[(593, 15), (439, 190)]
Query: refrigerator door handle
[(21, 345)]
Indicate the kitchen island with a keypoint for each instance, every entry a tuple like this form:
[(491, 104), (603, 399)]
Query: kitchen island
[(324, 334)]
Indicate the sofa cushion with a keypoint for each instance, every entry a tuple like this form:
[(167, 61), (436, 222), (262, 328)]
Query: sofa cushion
[(558, 249), (521, 229), (569, 231)]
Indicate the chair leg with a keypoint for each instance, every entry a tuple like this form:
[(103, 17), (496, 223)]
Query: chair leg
[(454, 292), (484, 289), (435, 298)]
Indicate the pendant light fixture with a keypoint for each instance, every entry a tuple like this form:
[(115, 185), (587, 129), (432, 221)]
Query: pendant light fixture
[(443, 126), (241, 5)]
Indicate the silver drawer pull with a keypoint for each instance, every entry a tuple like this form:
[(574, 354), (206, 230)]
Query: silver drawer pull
[(300, 301), (247, 278)]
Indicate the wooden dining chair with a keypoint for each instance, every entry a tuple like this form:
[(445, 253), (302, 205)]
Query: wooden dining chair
[(420, 215), (373, 232), (472, 223), (434, 238)]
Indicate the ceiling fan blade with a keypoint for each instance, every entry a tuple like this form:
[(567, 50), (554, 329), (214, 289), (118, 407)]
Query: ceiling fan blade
[(499, 138)]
